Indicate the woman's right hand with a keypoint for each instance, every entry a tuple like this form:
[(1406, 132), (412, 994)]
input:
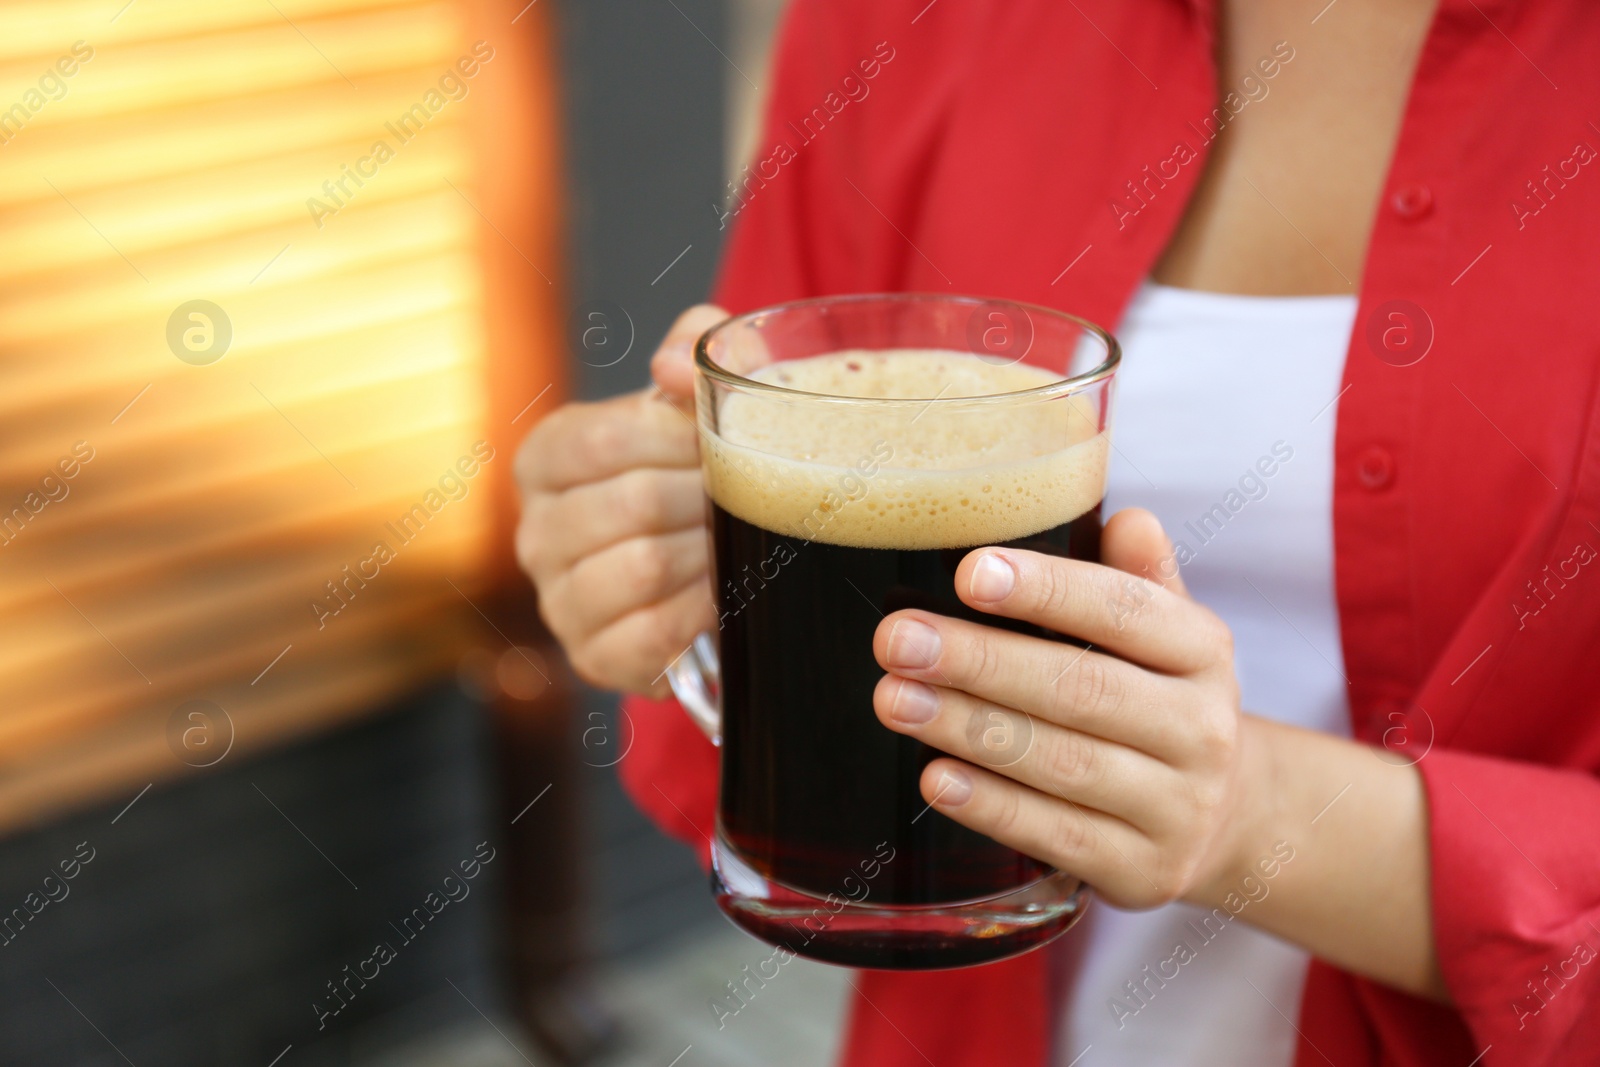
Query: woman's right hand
[(613, 523)]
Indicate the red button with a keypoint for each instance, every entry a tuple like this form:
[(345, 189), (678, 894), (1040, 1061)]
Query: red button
[(1412, 202), (1375, 468)]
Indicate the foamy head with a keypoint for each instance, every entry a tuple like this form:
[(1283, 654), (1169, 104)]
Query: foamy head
[(907, 475)]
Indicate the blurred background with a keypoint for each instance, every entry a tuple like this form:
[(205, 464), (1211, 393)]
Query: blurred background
[(289, 772)]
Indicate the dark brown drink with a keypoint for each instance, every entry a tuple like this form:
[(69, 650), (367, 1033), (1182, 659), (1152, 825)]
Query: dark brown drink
[(820, 784), (818, 798)]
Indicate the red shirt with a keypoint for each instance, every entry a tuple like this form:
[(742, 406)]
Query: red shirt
[(1030, 150)]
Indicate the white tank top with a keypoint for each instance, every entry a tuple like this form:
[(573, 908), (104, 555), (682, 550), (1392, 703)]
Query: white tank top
[(1224, 418)]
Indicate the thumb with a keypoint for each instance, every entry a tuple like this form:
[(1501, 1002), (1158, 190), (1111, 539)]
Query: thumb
[(672, 367), (1134, 542)]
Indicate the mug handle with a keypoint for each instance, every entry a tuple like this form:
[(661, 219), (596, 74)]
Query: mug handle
[(696, 679)]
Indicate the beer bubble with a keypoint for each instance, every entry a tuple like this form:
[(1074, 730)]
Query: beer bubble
[(957, 476)]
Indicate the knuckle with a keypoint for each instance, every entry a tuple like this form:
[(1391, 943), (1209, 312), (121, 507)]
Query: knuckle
[(1070, 834), (1072, 758), (1088, 684), (690, 324), (545, 437), (1007, 818), (554, 607), (602, 436), (1206, 799), (984, 662), (592, 671), (652, 643), (1130, 597), (1217, 735), (645, 500), (529, 546), (649, 565), (666, 636), (1051, 593), (997, 736)]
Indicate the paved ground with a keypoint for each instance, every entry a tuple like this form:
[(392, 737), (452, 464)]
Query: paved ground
[(794, 1021)]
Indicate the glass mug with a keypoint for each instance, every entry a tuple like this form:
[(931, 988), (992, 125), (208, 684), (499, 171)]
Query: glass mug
[(854, 450)]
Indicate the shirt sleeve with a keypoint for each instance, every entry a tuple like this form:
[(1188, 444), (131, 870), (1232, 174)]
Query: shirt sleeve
[(1515, 853)]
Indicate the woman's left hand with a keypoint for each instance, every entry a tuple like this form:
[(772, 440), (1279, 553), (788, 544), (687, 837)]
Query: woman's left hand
[(1121, 764)]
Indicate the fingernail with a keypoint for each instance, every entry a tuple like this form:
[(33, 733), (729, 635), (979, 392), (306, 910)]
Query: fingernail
[(914, 704), (993, 578), (913, 644), (955, 788)]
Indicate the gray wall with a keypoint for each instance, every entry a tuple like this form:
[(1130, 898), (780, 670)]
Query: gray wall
[(644, 113)]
